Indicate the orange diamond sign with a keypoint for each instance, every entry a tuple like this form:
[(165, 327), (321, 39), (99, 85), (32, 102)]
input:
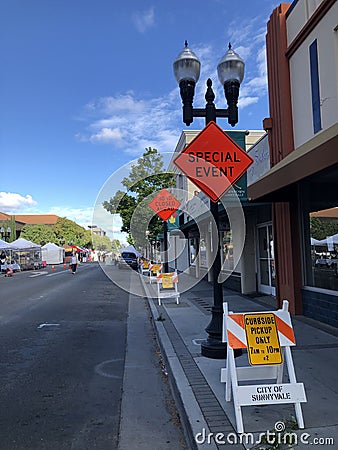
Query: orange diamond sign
[(164, 204), (213, 161)]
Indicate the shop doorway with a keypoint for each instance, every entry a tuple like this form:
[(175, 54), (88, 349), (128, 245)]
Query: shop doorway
[(266, 260)]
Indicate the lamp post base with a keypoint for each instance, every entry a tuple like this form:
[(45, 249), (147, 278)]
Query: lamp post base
[(214, 349)]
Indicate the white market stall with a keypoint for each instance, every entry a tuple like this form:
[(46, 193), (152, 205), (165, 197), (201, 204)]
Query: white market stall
[(26, 254), (52, 254), (325, 251), (6, 257)]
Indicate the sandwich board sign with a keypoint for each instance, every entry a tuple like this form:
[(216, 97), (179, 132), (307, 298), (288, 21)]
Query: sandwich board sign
[(262, 334), (164, 204), (213, 161)]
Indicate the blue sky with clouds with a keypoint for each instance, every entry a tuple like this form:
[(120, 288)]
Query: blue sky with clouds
[(85, 86)]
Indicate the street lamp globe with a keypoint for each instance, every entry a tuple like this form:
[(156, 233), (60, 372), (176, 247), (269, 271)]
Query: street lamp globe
[(187, 69), (230, 67), (187, 66), (230, 71)]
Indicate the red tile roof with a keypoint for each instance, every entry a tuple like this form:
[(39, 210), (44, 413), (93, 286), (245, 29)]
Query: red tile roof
[(4, 216), (332, 213), (37, 219)]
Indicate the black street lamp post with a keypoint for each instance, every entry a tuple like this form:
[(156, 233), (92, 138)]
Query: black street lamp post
[(165, 246), (5, 234), (230, 73)]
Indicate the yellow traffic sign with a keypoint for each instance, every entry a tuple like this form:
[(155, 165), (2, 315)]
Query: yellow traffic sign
[(262, 339), (167, 281)]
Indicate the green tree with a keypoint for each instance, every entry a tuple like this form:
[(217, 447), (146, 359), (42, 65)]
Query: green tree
[(115, 245), (12, 225), (321, 228), (39, 234), (101, 243), (69, 232), (146, 178)]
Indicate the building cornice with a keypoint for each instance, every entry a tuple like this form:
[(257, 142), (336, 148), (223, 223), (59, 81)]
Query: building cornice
[(310, 25)]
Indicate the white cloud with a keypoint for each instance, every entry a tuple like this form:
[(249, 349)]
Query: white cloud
[(11, 202), (123, 121), (144, 20), (120, 103), (107, 135), (82, 216), (248, 41), (247, 101)]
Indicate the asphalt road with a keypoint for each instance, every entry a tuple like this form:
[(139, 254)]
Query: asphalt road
[(62, 351)]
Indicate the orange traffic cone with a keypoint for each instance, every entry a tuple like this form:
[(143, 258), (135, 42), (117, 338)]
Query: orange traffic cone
[(65, 266), (53, 268)]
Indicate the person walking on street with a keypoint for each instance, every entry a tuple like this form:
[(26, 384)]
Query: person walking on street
[(74, 262)]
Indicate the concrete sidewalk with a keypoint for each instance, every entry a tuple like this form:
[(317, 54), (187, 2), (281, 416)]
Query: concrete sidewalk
[(196, 379)]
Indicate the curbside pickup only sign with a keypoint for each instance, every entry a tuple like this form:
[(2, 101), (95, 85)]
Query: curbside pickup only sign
[(262, 339)]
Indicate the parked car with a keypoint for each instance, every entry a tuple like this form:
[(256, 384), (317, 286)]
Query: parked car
[(128, 259)]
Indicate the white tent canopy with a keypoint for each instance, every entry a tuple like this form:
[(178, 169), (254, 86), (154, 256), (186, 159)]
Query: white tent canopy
[(316, 242), (130, 249), (26, 254), (52, 254), (22, 243), (4, 245), (329, 240)]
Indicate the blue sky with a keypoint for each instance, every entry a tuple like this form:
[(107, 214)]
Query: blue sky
[(85, 86)]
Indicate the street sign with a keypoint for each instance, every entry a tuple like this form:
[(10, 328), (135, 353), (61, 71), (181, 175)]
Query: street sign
[(267, 394), (167, 281), (262, 339), (164, 204), (174, 222), (213, 161)]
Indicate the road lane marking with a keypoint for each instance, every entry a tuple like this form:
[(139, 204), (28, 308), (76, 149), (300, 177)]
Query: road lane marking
[(37, 274), (66, 271), (104, 371), (43, 325), (56, 273)]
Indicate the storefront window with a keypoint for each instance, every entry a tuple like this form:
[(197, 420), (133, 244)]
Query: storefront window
[(323, 249), (203, 253), (192, 251), (227, 251), (266, 259)]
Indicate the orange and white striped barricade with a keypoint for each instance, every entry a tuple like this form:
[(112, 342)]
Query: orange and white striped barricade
[(145, 267), (167, 286), (154, 270), (268, 338)]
